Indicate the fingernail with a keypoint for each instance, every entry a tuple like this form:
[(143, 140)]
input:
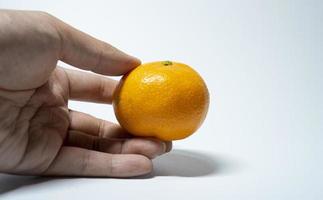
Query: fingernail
[(164, 147), (169, 146)]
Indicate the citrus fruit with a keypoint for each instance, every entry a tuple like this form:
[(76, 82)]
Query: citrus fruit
[(166, 100)]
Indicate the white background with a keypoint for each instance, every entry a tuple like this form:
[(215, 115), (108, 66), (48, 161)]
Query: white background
[(262, 62)]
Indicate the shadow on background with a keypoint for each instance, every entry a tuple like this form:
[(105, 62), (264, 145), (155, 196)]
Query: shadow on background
[(13, 182), (185, 163)]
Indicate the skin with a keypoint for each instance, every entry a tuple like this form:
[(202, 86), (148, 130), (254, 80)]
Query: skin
[(39, 135)]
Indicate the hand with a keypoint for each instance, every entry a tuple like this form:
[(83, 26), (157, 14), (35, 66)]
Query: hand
[(39, 135)]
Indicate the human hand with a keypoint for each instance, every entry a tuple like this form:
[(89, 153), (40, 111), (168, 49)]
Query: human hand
[(39, 135)]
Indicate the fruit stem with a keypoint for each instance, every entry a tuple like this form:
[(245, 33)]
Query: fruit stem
[(167, 62)]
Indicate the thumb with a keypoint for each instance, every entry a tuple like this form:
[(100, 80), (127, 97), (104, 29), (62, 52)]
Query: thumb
[(85, 52)]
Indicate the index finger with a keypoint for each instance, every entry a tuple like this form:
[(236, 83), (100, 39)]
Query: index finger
[(85, 52)]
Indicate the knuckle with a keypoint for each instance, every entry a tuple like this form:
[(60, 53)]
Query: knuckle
[(112, 167), (96, 144), (101, 128), (102, 88), (98, 65), (85, 162), (44, 14)]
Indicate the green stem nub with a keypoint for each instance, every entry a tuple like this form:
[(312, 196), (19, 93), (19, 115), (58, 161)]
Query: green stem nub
[(167, 62)]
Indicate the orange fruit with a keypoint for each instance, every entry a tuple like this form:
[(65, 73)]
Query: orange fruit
[(166, 100)]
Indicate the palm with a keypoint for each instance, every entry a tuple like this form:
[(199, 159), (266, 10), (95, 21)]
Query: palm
[(40, 127)]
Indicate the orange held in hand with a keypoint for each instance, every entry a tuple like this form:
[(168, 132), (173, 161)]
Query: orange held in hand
[(166, 100)]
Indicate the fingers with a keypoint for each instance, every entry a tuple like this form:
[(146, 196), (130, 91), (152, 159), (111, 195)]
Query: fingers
[(85, 52), (91, 125), (90, 87), (73, 161), (89, 132), (87, 124), (148, 147)]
